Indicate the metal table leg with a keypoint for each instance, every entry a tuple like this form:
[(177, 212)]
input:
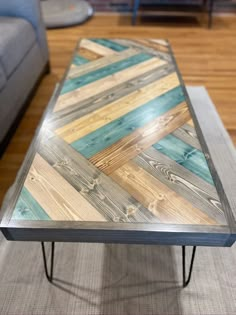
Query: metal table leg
[(186, 281), (48, 275)]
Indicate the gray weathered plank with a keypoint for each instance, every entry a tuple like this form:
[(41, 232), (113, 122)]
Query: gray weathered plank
[(188, 134), (191, 187)]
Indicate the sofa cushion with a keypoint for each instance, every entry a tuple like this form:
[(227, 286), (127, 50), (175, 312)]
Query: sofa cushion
[(17, 36), (2, 78)]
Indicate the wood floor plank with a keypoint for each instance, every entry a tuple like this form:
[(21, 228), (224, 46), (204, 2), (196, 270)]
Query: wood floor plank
[(128, 147), (114, 203), (163, 202), (112, 132), (191, 187), (100, 117), (186, 155), (51, 191), (93, 103), (107, 83), (78, 82)]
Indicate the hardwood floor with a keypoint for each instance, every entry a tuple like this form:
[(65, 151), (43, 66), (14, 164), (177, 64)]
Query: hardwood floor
[(205, 57)]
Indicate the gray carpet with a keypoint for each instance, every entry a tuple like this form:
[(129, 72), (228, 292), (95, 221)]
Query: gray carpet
[(115, 280)]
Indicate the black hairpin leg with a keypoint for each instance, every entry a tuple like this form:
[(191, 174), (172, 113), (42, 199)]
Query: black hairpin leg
[(48, 275), (186, 281)]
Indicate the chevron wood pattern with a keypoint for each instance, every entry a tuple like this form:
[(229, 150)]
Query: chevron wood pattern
[(119, 144)]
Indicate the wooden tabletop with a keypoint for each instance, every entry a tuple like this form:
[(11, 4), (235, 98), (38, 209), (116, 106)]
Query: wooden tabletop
[(122, 155)]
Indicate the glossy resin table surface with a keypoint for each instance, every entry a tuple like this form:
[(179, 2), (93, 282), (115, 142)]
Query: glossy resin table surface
[(122, 155)]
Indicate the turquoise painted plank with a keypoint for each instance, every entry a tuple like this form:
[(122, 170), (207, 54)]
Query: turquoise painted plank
[(185, 155), (105, 136), (75, 83), (109, 43), (27, 208), (79, 60)]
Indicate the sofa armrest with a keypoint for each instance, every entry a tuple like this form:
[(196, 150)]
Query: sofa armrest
[(30, 10)]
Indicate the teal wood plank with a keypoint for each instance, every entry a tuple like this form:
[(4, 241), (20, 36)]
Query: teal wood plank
[(75, 83), (27, 208), (109, 43), (79, 60), (105, 136), (185, 155)]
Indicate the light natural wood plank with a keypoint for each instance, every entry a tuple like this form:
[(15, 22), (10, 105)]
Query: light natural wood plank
[(88, 123), (106, 83), (88, 54), (164, 203), (96, 48), (128, 147), (51, 191)]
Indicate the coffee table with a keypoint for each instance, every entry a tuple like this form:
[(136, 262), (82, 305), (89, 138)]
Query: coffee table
[(123, 156)]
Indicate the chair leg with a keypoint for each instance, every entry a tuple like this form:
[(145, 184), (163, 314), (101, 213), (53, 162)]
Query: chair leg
[(135, 10), (186, 281), (48, 275)]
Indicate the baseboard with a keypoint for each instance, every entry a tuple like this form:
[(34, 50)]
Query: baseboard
[(4, 143)]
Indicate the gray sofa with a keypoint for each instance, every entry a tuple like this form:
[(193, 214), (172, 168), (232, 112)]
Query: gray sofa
[(23, 60)]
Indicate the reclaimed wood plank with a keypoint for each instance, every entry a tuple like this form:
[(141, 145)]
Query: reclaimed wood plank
[(100, 63), (78, 82), (110, 44), (164, 203), (128, 147), (197, 191), (27, 208), (110, 199), (114, 131), (81, 127), (102, 99), (56, 196), (186, 155), (97, 48), (107, 83)]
